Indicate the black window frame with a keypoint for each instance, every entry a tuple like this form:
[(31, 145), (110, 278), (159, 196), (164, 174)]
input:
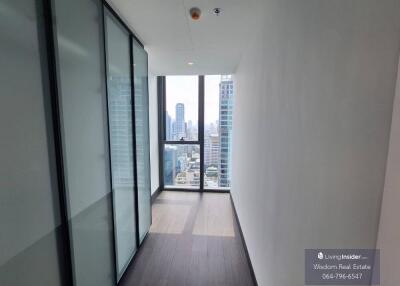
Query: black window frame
[(162, 141)]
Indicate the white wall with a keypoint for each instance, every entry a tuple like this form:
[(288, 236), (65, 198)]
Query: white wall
[(314, 94), (389, 227), (153, 121)]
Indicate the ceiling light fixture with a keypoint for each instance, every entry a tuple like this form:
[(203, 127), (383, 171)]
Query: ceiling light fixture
[(190, 63)]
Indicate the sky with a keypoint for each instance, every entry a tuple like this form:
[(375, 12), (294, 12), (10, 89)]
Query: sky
[(184, 89)]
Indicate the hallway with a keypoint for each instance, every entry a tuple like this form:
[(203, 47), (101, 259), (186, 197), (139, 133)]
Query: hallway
[(194, 240)]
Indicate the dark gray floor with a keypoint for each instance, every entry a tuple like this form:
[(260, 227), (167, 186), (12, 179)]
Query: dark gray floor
[(194, 240)]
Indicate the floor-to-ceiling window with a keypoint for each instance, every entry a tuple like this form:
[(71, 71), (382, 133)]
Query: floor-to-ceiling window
[(218, 108), (196, 131), (182, 144)]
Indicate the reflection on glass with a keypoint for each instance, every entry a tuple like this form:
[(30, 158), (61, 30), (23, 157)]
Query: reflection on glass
[(181, 118), (182, 165), (85, 140), (142, 137), (218, 108), (120, 122)]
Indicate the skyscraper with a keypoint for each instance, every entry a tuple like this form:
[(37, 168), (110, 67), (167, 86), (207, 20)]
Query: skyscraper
[(168, 127), (211, 160), (211, 150), (189, 130), (180, 130), (170, 164), (225, 128)]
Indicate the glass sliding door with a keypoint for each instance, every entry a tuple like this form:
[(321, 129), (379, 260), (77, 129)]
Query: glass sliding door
[(74, 151), (30, 236), (121, 139), (141, 100), (80, 43)]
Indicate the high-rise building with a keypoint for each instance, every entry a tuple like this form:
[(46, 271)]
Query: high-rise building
[(211, 160), (225, 129), (170, 164), (211, 150), (168, 127), (189, 130), (180, 131)]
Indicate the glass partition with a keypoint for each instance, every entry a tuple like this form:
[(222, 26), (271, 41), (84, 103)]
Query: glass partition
[(80, 43), (62, 135), (30, 235), (140, 73), (121, 139)]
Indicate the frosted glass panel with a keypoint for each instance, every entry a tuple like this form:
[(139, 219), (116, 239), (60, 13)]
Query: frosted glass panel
[(142, 137), (85, 140), (120, 121), (29, 212)]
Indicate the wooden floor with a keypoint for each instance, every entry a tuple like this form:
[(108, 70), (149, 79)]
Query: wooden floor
[(194, 240)]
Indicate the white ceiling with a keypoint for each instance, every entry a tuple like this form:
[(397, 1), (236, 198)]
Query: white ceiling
[(214, 43)]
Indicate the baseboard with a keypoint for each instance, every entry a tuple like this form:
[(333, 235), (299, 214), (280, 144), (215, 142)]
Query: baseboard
[(155, 195), (221, 191), (253, 275)]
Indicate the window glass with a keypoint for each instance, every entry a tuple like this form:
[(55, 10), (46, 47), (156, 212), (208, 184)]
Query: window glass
[(181, 118), (218, 104), (182, 165)]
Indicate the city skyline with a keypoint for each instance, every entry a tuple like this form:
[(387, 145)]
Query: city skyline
[(225, 130), (184, 89), (182, 162)]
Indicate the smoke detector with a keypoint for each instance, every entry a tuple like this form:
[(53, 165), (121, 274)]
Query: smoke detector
[(195, 13)]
